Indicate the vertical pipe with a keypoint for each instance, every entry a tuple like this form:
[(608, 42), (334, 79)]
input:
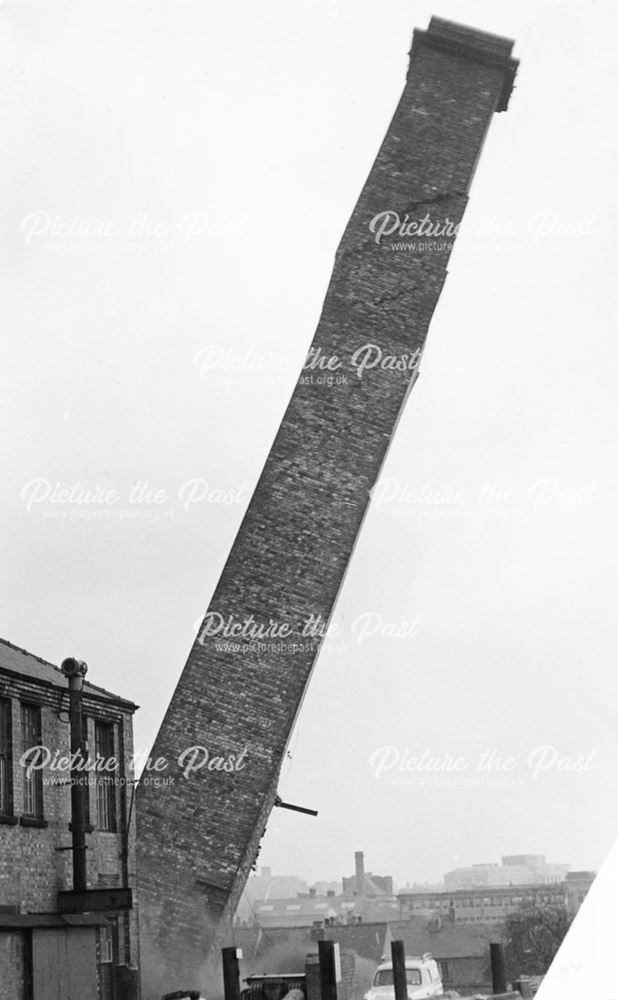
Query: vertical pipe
[(124, 835), (75, 671)]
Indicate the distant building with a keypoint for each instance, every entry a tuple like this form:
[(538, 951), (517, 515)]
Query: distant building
[(364, 883), (297, 911), (577, 885), (285, 901), (53, 947), (516, 869), (490, 904), (266, 886), (327, 888), (308, 909)]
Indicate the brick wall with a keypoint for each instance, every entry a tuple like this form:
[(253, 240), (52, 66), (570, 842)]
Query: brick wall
[(32, 869), (345, 988), (13, 948), (198, 837)]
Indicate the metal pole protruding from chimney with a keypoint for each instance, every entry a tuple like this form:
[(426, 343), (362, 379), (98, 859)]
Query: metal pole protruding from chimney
[(75, 671), (400, 982), (498, 970)]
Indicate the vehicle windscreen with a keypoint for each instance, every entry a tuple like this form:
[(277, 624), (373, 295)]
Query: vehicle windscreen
[(384, 977)]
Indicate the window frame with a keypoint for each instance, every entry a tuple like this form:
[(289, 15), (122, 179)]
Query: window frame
[(86, 787), (32, 786), (445, 971), (7, 802), (106, 805)]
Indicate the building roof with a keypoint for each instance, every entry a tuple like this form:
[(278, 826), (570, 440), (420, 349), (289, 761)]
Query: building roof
[(307, 909), (294, 911), (370, 940), (367, 940), (15, 660), (372, 885), (450, 941)]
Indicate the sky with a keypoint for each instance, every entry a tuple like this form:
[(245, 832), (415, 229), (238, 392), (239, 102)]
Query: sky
[(178, 178)]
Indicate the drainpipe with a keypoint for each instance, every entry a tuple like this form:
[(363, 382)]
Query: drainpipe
[(75, 671)]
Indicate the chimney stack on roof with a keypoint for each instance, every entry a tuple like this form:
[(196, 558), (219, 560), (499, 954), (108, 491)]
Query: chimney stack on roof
[(359, 861)]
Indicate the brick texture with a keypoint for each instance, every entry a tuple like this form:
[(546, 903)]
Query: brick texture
[(346, 986), (198, 837), (13, 963), (35, 864)]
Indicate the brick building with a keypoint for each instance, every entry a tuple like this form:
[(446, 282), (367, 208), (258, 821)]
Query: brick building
[(306, 909), (515, 869), (462, 953), (486, 904), (364, 883), (266, 886), (52, 945), (577, 885)]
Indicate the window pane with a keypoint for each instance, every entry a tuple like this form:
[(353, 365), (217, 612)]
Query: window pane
[(6, 804), (106, 791), (31, 737)]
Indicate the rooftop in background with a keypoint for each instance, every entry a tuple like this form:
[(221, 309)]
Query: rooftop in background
[(306, 910), (448, 940), (371, 940), (16, 660)]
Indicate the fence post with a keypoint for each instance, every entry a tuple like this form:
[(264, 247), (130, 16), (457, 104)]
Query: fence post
[(399, 970), (231, 973), (498, 971), (327, 951)]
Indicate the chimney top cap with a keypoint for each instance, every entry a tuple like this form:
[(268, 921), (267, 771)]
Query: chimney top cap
[(463, 34), (469, 43), (73, 668)]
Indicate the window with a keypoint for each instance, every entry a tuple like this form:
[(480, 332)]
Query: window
[(33, 782), (106, 789), (105, 944), (6, 759), (86, 774), (384, 977)]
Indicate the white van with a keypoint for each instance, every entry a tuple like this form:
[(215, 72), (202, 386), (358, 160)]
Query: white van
[(422, 974)]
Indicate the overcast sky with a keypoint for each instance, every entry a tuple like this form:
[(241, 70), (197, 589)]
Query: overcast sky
[(177, 179)]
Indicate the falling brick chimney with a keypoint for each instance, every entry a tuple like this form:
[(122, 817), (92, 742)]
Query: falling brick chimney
[(199, 833)]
